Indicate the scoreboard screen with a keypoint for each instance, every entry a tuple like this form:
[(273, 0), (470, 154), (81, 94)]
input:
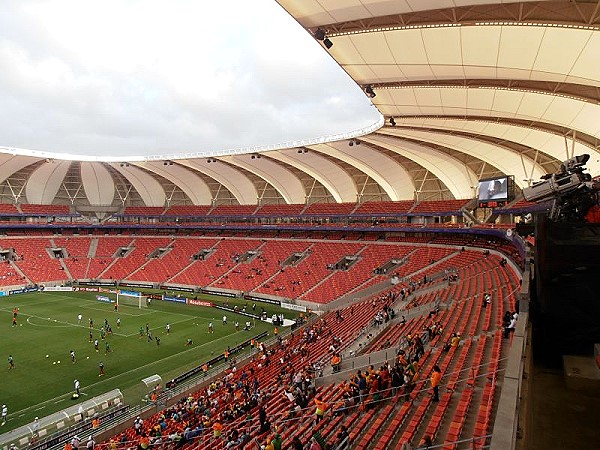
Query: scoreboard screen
[(494, 192)]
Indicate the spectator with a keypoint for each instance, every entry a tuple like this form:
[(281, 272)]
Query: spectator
[(511, 326), (297, 444), (436, 377)]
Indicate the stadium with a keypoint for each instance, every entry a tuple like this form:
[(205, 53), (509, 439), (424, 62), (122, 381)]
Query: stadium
[(423, 281)]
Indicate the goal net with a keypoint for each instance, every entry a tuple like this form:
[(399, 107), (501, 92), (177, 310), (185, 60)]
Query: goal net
[(135, 299)]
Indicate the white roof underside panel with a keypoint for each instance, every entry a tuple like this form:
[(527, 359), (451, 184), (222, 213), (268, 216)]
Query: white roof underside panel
[(339, 184), (146, 186), (190, 183), (490, 102), (10, 164), (314, 13), (471, 52), (234, 180), (44, 183), (391, 176), (548, 143), (98, 184), (283, 180), (457, 177), (505, 160)]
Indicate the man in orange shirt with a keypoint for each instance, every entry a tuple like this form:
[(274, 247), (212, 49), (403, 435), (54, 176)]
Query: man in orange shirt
[(217, 428), (321, 408), (336, 360), (436, 378)]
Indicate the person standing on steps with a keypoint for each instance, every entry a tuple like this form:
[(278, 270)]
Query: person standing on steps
[(436, 378)]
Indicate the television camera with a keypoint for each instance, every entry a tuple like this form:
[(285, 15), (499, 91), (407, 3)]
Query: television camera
[(570, 189)]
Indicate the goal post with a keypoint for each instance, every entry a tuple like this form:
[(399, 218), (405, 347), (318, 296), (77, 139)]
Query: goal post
[(130, 298)]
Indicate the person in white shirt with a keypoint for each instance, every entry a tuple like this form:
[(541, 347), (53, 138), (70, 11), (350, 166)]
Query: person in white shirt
[(4, 413), (510, 327), (76, 383)]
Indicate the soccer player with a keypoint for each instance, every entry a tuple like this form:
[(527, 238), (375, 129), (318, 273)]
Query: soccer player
[(106, 348), (224, 320), (4, 414), (147, 327), (188, 342), (102, 333), (79, 317), (149, 336), (210, 327), (96, 345), (118, 322), (157, 341), (77, 385), (11, 362), (91, 336), (237, 326), (141, 332), (73, 359), (14, 321), (101, 369), (168, 328), (91, 323)]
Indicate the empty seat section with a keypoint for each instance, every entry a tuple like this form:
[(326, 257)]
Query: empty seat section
[(45, 210), (439, 207), (6, 208), (173, 261), (105, 253), (143, 210), (204, 271), (34, 259), (188, 210), (233, 210), (77, 260), (343, 281), (142, 248), (294, 280), (384, 208), (283, 210), (329, 209), (246, 276)]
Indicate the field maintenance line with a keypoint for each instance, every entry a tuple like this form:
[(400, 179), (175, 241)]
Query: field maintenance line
[(120, 375), (66, 324), (162, 327), (93, 302)]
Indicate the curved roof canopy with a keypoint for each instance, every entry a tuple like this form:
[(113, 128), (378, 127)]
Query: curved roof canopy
[(467, 89)]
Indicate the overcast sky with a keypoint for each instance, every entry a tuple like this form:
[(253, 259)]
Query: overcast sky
[(147, 77)]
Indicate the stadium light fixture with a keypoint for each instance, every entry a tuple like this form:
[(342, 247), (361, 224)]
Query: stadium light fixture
[(321, 36)]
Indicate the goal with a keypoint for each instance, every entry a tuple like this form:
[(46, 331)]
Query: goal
[(132, 299)]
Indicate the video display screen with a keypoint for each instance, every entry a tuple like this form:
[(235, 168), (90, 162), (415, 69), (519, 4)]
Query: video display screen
[(494, 189), (494, 192)]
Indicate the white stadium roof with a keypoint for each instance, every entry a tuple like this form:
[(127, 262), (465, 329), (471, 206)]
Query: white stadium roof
[(467, 89)]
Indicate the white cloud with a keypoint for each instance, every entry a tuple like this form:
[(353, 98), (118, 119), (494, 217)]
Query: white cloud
[(134, 77)]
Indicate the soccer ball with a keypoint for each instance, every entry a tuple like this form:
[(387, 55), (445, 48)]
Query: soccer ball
[(47, 356), (53, 362), (87, 357), (57, 362)]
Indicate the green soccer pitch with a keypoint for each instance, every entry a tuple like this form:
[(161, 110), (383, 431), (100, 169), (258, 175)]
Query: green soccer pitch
[(47, 324)]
